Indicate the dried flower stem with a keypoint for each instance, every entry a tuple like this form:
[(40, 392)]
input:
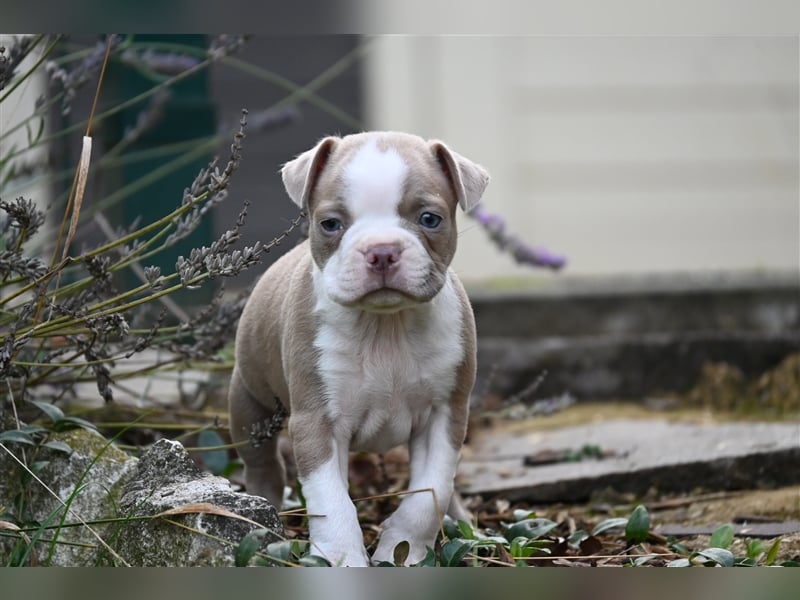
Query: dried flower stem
[(44, 329), (166, 223), (173, 307), (80, 188)]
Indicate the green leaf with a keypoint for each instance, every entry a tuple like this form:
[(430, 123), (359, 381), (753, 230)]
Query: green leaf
[(591, 450), (69, 423), (489, 541), (523, 563), (530, 528), (400, 553), (643, 560), (791, 563), (51, 411), (248, 547), (613, 523), (215, 460), (454, 551), (719, 556), (450, 527), (429, 560), (755, 548), (38, 466), (772, 553), (679, 562), (235, 465), (58, 446), (576, 538), (280, 551), (680, 548), (522, 547), (638, 527), (722, 536), (466, 530), (15, 435), (33, 429), (522, 515), (518, 549), (312, 560)]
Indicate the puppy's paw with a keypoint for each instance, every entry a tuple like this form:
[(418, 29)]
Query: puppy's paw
[(390, 538), (342, 557)]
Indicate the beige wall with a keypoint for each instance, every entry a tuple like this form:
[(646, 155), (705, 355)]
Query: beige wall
[(629, 154), (13, 110)]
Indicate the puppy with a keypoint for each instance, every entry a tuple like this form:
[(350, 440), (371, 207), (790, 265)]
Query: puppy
[(365, 334)]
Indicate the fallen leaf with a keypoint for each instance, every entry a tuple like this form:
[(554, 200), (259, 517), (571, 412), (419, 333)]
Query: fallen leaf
[(205, 508)]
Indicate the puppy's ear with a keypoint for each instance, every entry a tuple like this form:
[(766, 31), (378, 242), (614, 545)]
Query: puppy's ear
[(300, 174), (469, 180)]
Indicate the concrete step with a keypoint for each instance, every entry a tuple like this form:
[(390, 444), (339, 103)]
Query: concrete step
[(757, 302), (632, 337), (623, 366)]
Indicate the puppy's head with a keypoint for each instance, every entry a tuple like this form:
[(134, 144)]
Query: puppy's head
[(381, 208)]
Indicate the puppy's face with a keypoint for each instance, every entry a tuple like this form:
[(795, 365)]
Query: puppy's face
[(382, 215), (382, 227)]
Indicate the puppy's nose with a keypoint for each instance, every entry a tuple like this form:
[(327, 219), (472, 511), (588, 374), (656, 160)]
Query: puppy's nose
[(382, 257)]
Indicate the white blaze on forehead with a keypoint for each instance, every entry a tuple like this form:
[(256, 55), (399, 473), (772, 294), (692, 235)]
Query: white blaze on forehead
[(375, 180)]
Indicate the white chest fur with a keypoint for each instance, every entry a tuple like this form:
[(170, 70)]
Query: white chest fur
[(384, 372)]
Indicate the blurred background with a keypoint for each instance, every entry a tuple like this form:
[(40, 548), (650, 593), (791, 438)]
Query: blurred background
[(630, 155)]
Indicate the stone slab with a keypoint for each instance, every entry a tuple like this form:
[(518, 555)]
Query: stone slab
[(645, 454)]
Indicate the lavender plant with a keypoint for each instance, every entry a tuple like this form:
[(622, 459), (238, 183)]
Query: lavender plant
[(67, 322), (84, 326), (520, 251)]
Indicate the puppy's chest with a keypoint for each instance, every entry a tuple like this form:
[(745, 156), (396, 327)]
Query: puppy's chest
[(383, 377)]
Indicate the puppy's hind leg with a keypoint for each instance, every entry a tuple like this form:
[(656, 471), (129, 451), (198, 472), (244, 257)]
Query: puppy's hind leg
[(264, 472)]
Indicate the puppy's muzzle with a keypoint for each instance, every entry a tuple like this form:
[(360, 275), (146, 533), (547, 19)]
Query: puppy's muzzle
[(382, 258)]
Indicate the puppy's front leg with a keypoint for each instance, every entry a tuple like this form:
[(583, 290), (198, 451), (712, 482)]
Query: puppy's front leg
[(433, 463), (322, 464)]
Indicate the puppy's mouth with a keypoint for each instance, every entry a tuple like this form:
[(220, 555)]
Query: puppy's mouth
[(386, 300), (383, 293)]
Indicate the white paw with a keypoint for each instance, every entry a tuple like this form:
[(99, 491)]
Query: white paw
[(341, 557), (388, 542)]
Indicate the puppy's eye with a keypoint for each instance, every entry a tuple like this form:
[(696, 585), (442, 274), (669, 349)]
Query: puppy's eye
[(331, 225), (429, 220)]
